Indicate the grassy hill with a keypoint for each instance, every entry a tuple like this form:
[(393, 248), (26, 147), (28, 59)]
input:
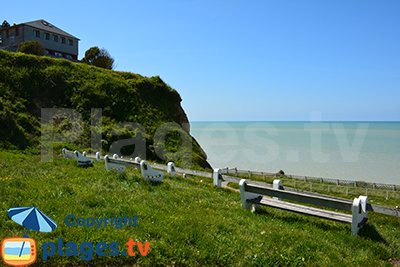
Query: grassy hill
[(29, 83), (187, 221)]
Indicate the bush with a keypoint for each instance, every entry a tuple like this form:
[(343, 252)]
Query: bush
[(99, 58), (31, 47)]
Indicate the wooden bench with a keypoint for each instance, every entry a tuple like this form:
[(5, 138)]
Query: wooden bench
[(119, 165), (82, 160), (253, 196), (67, 154)]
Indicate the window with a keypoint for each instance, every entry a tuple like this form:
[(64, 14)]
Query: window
[(36, 33), (70, 42), (55, 38), (57, 54), (47, 36), (63, 40)]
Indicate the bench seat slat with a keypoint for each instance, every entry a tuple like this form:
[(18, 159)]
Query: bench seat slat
[(300, 197), (123, 162), (327, 214)]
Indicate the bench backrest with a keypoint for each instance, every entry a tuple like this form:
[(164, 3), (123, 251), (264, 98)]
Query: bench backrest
[(120, 161), (297, 196)]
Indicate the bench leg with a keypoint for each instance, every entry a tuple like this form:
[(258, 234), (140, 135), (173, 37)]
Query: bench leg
[(360, 214), (277, 184), (217, 177), (245, 196), (171, 169)]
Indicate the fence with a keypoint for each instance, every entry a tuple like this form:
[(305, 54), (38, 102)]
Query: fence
[(330, 185), (391, 187), (318, 184)]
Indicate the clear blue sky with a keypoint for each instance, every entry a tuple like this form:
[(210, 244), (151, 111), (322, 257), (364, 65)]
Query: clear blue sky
[(251, 60)]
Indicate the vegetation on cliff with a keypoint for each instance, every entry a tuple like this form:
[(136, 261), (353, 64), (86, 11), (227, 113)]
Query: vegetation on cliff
[(132, 106)]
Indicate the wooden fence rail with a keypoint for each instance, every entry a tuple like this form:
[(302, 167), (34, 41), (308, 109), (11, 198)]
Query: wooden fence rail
[(346, 182)]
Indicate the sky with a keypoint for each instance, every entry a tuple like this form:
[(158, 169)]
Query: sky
[(247, 60)]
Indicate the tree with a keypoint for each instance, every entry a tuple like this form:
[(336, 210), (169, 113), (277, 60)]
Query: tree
[(5, 24), (99, 58), (31, 47)]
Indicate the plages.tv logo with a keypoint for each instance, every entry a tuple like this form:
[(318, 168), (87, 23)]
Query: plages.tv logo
[(18, 251), (21, 251)]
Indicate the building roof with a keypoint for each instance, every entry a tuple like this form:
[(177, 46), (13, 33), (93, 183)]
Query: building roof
[(41, 24)]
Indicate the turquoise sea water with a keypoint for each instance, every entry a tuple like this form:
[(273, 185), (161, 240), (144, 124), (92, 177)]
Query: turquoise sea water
[(362, 151)]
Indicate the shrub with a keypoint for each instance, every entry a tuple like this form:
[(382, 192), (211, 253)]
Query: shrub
[(99, 58), (31, 47)]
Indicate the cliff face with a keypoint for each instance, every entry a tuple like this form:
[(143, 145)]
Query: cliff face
[(29, 83), (182, 118)]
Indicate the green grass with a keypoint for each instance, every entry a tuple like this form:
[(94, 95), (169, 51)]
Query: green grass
[(187, 221)]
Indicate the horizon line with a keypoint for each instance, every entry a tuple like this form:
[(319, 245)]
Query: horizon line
[(375, 121)]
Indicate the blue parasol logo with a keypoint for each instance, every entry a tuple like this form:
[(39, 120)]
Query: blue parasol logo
[(32, 218)]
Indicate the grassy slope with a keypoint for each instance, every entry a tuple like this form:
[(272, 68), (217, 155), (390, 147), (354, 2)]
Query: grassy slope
[(187, 221), (29, 83)]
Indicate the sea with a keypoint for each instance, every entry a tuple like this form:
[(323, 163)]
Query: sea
[(357, 151)]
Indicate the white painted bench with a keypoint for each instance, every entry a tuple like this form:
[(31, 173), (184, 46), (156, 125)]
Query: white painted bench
[(253, 196), (82, 160), (149, 174), (115, 164), (67, 154), (120, 164)]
